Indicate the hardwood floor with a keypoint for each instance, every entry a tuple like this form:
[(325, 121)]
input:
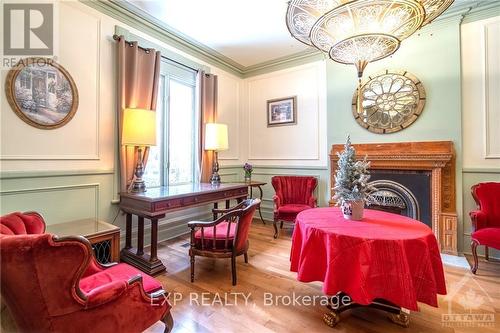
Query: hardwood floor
[(268, 272)]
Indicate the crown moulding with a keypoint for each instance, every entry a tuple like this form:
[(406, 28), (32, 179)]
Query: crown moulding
[(128, 14)]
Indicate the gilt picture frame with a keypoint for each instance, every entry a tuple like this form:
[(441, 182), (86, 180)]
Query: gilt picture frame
[(282, 111), (42, 93)]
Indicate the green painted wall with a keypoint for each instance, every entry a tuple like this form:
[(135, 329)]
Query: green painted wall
[(433, 56)]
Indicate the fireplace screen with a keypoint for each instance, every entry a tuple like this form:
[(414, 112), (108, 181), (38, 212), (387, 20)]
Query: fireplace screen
[(394, 198)]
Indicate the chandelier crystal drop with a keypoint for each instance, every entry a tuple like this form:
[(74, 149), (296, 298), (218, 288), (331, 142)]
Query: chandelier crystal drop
[(359, 31)]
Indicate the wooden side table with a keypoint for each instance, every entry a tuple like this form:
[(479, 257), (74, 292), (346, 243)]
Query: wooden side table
[(251, 185), (104, 237)]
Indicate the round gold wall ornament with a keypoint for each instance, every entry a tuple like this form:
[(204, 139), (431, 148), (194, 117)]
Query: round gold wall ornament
[(42, 93), (391, 101)]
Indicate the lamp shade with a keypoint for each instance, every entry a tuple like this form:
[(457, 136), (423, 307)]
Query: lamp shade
[(216, 136), (139, 127)]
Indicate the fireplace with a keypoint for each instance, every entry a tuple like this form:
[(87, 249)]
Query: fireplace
[(415, 179)]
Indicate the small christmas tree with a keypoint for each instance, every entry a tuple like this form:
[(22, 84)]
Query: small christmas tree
[(351, 180)]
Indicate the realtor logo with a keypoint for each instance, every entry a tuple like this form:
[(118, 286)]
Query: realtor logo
[(28, 29)]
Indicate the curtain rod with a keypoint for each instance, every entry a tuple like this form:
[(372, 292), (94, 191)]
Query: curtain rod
[(145, 49)]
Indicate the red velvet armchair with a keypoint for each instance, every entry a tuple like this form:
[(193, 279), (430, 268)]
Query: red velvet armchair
[(53, 284), (226, 237), (293, 195), (486, 219)]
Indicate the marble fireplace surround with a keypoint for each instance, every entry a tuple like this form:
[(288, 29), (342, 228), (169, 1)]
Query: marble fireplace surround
[(438, 157)]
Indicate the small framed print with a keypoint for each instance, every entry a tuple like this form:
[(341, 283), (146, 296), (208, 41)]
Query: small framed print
[(282, 111)]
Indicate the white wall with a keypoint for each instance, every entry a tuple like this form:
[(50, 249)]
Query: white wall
[(86, 142), (480, 111), (69, 173), (303, 144), (481, 93)]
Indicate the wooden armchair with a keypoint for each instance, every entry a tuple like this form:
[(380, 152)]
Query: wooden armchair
[(226, 237)]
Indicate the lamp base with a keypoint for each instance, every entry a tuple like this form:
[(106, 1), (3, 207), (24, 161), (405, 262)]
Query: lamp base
[(138, 186), (215, 179)]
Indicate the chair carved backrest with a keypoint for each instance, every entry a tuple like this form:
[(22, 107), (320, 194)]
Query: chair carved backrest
[(239, 220), (40, 272), (294, 189), (487, 197)]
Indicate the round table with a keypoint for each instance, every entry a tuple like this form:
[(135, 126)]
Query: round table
[(384, 256)]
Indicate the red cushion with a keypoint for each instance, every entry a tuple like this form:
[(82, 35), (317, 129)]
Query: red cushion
[(220, 235), (488, 237), (292, 208), (118, 272)]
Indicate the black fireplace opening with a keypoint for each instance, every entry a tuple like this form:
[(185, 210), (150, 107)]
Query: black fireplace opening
[(403, 192)]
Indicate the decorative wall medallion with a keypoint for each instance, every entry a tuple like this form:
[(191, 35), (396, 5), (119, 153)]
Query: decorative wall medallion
[(391, 101), (42, 93)]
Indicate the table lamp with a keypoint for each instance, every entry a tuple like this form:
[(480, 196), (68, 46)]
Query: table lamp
[(139, 130), (216, 140)]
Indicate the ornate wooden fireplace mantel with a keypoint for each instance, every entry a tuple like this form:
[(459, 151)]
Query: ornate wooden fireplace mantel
[(438, 157)]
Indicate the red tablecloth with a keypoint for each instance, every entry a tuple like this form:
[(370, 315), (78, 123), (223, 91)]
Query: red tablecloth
[(384, 256)]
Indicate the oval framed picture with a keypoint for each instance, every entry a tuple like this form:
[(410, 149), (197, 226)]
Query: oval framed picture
[(42, 93)]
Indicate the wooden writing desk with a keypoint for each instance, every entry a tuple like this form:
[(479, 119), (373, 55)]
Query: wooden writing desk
[(155, 203)]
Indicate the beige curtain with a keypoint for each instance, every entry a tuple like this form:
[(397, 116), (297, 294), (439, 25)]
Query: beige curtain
[(208, 114), (138, 77)]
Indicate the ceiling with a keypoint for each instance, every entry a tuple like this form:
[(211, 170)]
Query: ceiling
[(244, 32), (247, 32)]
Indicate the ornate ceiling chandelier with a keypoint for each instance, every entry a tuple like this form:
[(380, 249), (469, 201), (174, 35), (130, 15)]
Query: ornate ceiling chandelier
[(359, 31)]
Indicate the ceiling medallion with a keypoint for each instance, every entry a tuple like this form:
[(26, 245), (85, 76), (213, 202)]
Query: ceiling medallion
[(392, 101), (359, 31)]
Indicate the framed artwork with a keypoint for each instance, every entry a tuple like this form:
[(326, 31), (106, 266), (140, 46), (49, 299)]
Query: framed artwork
[(42, 93), (282, 111)]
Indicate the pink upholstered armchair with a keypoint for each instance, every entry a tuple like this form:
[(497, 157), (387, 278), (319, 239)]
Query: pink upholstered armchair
[(486, 219), (293, 195), (53, 284)]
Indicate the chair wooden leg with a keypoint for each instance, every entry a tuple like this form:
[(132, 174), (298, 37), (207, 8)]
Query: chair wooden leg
[(281, 225), (275, 222), (486, 253), (233, 269), (192, 268), (245, 255), (474, 245), (169, 322)]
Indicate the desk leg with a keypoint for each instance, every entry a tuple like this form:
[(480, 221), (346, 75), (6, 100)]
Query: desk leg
[(154, 240), (128, 231), (260, 197), (140, 236), (148, 263)]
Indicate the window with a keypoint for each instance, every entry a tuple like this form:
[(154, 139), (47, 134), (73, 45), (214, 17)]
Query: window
[(172, 160)]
